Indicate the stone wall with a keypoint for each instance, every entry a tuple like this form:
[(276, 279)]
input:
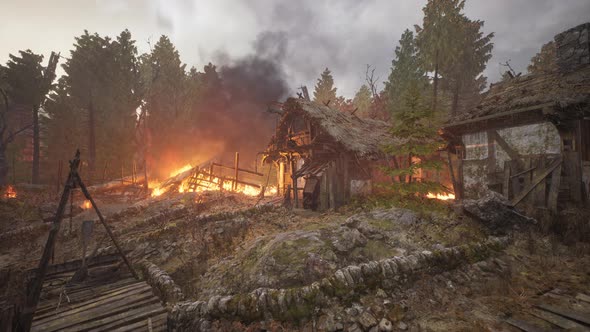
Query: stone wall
[(573, 47), (163, 286), (296, 303)]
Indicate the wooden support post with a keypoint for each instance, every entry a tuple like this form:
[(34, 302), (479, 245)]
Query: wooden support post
[(236, 170), (506, 183), (211, 172), (491, 156), (34, 292), (554, 189), (281, 179), (294, 181), (59, 173), (104, 223), (538, 196)]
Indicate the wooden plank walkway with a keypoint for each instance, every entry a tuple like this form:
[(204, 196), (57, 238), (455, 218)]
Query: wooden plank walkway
[(110, 299), (555, 312)]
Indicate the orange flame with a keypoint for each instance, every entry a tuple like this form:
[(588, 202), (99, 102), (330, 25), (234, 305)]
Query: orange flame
[(86, 205), (10, 192), (442, 197)]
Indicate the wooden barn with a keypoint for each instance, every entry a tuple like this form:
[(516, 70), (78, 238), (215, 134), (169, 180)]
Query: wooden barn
[(324, 155), (529, 138)]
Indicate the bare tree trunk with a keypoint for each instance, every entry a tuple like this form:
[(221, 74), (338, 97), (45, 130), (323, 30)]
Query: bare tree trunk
[(36, 152), (3, 164), (455, 107), (91, 141), (435, 85)]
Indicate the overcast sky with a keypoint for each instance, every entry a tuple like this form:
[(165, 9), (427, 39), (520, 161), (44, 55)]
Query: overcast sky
[(344, 35)]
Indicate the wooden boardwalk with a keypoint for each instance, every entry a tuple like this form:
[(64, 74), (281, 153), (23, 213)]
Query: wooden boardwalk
[(110, 299), (555, 311)]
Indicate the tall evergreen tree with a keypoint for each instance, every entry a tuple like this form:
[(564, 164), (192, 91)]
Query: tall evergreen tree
[(102, 79), (165, 102), (438, 38), (464, 77), (362, 101), (325, 92), (545, 60), (28, 83), (405, 71), (416, 129)]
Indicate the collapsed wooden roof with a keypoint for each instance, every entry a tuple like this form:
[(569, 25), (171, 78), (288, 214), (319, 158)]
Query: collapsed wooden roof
[(556, 93), (364, 137)]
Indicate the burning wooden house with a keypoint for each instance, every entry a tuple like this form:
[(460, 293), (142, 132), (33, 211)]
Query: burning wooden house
[(325, 155), (529, 138)]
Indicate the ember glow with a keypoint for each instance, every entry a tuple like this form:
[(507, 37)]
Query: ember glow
[(442, 197), (86, 205), (10, 192)]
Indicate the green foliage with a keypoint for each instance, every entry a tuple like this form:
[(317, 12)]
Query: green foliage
[(362, 101), (545, 60), (405, 70), (415, 130), (453, 46), (24, 77), (324, 89), (101, 89)]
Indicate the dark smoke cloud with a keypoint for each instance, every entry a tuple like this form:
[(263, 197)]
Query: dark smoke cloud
[(236, 111)]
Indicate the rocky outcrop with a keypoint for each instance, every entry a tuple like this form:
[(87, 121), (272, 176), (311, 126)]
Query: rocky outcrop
[(495, 212), (163, 286), (295, 303)]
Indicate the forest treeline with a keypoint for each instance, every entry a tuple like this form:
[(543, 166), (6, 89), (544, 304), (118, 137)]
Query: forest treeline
[(118, 105)]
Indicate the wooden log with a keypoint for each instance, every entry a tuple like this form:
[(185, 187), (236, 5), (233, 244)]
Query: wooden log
[(583, 297), (536, 181)]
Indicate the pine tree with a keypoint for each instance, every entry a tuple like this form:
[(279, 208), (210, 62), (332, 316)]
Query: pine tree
[(405, 71), (325, 92), (544, 61), (463, 77), (165, 102), (438, 38), (415, 128), (362, 101)]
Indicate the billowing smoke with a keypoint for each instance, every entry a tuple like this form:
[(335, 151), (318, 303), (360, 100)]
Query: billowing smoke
[(233, 116)]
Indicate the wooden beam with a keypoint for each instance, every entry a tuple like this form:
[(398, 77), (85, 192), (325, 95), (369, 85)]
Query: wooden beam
[(536, 181), (554, 189), (557, 320), (506, 183), (571, 314), (34, 292), (505, 146), (491, 155)]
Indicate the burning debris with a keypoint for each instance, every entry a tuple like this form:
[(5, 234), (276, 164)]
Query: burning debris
[(213, 178), (9, 192)]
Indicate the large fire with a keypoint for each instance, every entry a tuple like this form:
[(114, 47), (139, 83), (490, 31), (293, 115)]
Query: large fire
[(10, 192), (442, 197), (207, 184)]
